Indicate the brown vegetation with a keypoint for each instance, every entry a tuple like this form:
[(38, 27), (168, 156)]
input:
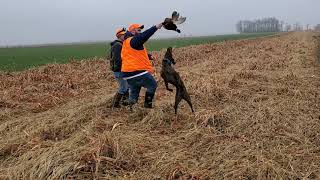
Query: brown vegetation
[(257, 117)]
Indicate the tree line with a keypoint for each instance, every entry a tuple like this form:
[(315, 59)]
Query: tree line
[(260, 25), (270, 24)]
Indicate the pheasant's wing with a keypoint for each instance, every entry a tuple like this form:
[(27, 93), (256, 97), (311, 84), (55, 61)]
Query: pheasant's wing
[(180, 20)]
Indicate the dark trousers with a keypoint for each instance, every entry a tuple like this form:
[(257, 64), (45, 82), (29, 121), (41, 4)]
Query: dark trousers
[(135, 84), (123, 85)]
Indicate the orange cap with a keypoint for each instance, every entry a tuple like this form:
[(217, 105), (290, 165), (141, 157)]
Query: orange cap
[(132, 27), (120, 31)]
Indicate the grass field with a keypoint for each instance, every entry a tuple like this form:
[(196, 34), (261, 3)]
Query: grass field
[(256, 116), (21, 58)]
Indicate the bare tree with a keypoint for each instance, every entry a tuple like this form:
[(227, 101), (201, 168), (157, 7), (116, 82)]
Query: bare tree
[(281, 26), (260, 25), (287, 27), (239, 27), (297, 27)]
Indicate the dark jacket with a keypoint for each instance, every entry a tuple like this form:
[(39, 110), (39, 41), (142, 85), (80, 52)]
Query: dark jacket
[(115, 56), (137, 43)]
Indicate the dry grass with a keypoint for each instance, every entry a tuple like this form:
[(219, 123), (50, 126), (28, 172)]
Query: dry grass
[(257, 117)]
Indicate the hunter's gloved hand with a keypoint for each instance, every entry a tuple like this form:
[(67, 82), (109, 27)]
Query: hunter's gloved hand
[(150, 57)]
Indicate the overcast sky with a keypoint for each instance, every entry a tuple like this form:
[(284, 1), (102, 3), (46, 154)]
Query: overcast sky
[(54, 21)]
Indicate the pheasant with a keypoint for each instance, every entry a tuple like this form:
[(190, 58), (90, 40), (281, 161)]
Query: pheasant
[(171, 23)]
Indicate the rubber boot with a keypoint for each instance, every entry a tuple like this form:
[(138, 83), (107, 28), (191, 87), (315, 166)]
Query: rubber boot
[(116, 100), (125, 98), (148, 100)]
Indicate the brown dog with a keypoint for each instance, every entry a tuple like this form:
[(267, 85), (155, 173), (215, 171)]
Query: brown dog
[(169, 75)]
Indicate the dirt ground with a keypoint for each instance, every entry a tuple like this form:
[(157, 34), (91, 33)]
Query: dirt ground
[(257, 116)]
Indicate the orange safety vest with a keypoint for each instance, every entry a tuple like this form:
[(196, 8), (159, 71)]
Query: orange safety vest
[(134, 60)]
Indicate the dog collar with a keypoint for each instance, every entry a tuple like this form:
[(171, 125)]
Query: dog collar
[(167, 60)]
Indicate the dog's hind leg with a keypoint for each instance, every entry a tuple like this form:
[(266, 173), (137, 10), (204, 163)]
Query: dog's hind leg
[(178, 100), (188, 99)]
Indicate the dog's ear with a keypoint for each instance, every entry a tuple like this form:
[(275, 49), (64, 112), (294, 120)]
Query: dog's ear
[(168, 54)]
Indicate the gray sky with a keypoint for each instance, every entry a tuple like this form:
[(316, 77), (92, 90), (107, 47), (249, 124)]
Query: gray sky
[(53, 21)]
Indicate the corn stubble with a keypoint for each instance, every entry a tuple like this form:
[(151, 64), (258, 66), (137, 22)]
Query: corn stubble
[(257, 117)]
